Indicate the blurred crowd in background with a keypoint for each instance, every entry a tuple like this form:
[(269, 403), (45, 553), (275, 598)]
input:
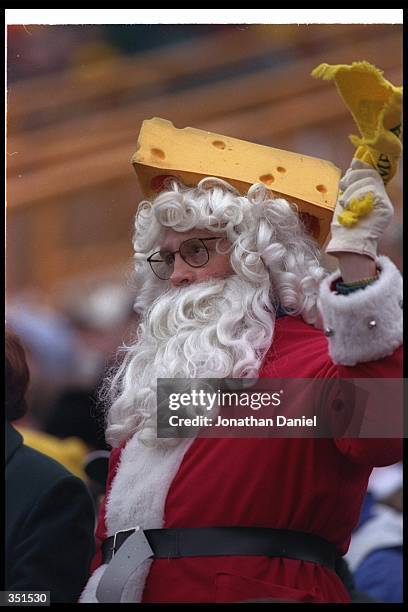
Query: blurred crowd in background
[(76, 98)]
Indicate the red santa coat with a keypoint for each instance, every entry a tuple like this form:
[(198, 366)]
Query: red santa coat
[(311, 485)]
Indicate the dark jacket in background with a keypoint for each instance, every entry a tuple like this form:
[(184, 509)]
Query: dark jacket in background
[(49, 524)]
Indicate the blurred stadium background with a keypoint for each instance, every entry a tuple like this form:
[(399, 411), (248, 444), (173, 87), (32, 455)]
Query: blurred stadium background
[(76, 96)]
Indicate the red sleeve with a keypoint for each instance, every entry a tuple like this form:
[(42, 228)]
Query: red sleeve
[(300, 350), (375, 452), (100, 532)]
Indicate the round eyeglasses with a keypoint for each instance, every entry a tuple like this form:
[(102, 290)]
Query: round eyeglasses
[(193, 251)]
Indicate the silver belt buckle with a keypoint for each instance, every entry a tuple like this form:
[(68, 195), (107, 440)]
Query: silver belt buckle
[(133, 552), (137, 528)]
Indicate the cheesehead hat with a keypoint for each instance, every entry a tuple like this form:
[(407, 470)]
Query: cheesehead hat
[(190, 154)]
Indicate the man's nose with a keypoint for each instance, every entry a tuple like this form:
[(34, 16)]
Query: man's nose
[(183, 274)]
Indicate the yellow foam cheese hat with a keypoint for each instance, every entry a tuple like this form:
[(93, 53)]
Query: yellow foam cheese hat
[(376, 107), (189, 154)]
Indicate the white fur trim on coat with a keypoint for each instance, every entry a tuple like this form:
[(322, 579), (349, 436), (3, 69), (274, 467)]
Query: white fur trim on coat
[(353, 340), (137, 497)]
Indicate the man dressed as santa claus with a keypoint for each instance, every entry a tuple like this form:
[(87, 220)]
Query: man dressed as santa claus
[(230, 286)]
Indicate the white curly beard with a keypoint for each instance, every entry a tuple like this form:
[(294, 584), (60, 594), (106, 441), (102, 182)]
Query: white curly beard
[(214, 329)]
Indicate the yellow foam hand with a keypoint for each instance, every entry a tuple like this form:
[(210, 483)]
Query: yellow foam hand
[(376, 107)]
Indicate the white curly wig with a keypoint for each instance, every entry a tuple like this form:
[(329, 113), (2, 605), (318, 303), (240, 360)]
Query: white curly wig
[(267, 236), (276, 264)]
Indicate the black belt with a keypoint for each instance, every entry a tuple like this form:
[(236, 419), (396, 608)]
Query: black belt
[(217, 541)]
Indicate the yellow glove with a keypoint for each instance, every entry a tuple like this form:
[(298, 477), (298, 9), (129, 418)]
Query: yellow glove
[(376, 107)]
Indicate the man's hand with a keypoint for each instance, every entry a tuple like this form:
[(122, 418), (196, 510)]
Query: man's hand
[(359, 218)]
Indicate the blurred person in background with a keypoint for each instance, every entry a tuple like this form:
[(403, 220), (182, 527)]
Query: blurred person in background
[(101, 320), (376, 554), (66, 364), (70, 347), (64, 373), (49, 512), (53, 353)]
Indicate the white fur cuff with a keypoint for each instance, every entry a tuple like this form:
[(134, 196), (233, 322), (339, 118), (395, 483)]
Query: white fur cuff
[(367, 324)]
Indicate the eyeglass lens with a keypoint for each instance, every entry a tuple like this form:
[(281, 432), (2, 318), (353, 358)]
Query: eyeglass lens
[(193, 252)]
